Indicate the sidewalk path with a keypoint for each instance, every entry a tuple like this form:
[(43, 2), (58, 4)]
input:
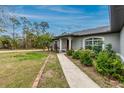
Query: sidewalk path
[(74, 76)]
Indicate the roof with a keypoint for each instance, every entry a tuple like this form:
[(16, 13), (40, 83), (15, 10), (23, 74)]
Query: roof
[(93, 31), (116, 17), (98, 30)]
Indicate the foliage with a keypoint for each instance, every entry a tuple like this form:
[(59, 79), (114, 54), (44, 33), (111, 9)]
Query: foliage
[(36, 28), (76, 54), (44, 41), (97, 49), (3, 19), (109, 64), (70, 52), (44, 26), (86, 57), (26, 32), (101, 62), (34, 34), (6, 41), (15, 23), (108, 48)]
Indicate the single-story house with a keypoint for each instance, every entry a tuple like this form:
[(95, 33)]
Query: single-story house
[(113, 34)]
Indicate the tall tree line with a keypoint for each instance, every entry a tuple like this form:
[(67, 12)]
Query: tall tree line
[(33, 34)]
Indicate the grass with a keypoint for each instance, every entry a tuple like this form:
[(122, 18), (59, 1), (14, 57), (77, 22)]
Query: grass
[(30, 56), (101, 80), (20, 69), (53, 76)]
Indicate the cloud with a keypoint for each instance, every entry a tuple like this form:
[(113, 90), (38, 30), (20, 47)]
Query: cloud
[(28, 15), (73, 20), (59, 9), (50, 17)]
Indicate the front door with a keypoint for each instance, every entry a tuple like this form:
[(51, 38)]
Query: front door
[(67, 44)]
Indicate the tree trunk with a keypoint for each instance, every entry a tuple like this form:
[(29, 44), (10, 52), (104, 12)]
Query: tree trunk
[(13, 34)]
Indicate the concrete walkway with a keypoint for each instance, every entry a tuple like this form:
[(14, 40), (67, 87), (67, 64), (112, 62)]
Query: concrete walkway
[(75, 77)]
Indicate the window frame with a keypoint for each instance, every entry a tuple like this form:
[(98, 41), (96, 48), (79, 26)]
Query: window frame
[(91, 37)]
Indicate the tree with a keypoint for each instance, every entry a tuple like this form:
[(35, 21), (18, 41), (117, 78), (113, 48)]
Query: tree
[(44, 38), (44, 26), (36, 28), (44, 41), (6, 42), (3, 18), (15, 23), (30, 39), (26, 26), (2, 29)]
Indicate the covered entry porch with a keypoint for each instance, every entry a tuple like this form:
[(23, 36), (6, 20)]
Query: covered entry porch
[(64, 44)]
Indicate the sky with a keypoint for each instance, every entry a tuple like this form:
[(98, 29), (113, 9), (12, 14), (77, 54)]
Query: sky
[(63, 18)]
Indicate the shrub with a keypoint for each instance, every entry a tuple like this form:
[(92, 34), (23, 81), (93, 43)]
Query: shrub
[(97, 49), (86, 57), (76, 54), (101, 62), (109, 65), (70, 52), (92, 54), (108, 48)]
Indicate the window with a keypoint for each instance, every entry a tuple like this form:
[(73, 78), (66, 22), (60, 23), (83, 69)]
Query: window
[(94, 43)]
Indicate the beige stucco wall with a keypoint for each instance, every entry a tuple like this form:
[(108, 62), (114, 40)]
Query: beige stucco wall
[(113, 38)]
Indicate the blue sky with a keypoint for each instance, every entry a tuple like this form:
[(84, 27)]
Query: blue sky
[(63, 18)]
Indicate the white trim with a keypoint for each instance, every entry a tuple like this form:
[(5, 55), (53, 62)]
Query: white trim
[(122, 57), (70, 42), (103, 45), (60, 45)]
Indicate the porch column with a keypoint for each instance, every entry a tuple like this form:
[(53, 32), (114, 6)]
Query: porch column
[(60, 42), (70, 39)]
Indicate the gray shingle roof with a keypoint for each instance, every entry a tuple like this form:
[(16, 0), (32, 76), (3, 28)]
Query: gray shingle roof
[(98, 30), (93, 31)]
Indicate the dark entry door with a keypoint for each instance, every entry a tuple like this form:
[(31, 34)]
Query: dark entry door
[(67, 44)]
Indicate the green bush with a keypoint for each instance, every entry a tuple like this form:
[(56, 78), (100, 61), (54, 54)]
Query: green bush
[(108, 48), (86, 57), (109, 65), (70, 52), (97, 49), (101, 62), (76, 54)]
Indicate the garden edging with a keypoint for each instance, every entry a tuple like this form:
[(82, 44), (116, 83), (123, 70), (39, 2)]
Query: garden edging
[(37, 79)]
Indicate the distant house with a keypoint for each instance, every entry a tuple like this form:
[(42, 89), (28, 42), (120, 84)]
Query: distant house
[(93, 37)]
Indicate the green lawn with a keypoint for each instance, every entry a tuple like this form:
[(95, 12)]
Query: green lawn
[(20, 69), (53, 76)]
